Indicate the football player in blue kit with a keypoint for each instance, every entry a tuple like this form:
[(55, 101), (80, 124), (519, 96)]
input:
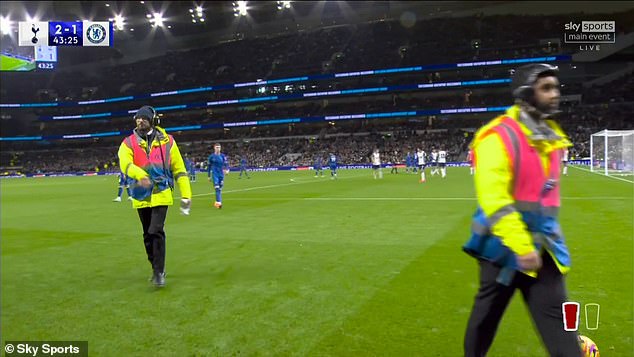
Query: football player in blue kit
[(217, 166), (124, 182), (332, 162)]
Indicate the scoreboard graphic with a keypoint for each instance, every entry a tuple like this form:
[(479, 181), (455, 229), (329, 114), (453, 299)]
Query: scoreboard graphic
[(20, 59), (55, 33)]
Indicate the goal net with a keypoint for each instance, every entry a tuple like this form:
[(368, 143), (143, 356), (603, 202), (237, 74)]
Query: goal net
[(612, 152)]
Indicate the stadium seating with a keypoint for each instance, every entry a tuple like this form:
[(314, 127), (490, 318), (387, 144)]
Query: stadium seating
[(383, 44)]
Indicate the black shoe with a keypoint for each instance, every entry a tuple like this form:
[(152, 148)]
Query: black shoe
[(152, 277), (158, 279)]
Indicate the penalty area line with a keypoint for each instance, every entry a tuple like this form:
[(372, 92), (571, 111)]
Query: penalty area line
[(600, 174)]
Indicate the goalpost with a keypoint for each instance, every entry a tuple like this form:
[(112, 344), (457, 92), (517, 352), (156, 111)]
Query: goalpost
[(612, 152)]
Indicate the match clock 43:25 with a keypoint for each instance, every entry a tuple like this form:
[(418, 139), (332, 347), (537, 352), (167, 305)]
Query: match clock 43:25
[(65, 33)]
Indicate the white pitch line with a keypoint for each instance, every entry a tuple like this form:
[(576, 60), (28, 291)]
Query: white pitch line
[(390, 198), (616, 198), (596, 198), (278, 185), (601, 174), (248, 189), (404, 198)]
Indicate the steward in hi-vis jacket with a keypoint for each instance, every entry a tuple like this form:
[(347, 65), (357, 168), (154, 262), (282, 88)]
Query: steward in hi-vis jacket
[(151, 158), (515, 232)]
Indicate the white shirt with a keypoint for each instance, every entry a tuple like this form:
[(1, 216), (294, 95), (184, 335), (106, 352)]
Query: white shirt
[(442, 156), (376, 158), (565, 155), (434, 156), (421, 157)]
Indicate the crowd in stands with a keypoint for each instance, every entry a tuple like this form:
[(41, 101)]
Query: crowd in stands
[(620, 90), (579, 120), (342, 48), (343, 83), (352, 148), (294, 109), (352, 141), (612, 93)]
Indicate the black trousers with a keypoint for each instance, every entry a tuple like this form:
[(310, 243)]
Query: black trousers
[(543, 296), (153, 221)]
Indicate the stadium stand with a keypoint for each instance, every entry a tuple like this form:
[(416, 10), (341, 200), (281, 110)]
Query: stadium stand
[(334, 49)]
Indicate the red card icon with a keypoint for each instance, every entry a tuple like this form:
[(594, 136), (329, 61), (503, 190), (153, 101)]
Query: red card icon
[(571, 315)]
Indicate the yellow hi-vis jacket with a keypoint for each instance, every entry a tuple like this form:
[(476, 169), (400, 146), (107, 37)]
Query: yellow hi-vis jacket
[(176, 166), (494, 179)]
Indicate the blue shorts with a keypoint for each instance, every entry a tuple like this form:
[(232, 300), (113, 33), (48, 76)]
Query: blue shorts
[(219, 181), (333, 168), (125, 182), (376, 167)]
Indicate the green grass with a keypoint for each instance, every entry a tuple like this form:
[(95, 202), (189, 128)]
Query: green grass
[(312, 267), (8, 63)]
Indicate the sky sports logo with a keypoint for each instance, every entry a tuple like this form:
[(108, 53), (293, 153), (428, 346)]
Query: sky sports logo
[(590, 32)]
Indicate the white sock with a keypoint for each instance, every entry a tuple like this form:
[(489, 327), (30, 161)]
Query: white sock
[(380, 173), (422, 175), (471, 170), (565, 170), (444, 172)]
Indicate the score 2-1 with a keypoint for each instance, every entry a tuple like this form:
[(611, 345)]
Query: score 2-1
[(65, 33)]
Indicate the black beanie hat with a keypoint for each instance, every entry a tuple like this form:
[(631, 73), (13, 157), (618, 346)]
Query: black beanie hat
[(146, 112)]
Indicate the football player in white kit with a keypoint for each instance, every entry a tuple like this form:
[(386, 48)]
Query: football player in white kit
[(442, 162), (376, 164), (564, 160), (420, 161)]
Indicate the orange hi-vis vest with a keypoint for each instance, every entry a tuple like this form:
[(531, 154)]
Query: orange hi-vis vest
[(156, 162), (530, 179)]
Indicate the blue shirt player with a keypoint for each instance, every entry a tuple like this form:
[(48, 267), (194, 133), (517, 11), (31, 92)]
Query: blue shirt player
[(217, 166), (243, 167), (413, 162), (190, 166), (318, 168), (124, 181), (332, 162)]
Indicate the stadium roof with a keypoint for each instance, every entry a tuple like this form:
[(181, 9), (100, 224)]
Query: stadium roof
[(183, 19)]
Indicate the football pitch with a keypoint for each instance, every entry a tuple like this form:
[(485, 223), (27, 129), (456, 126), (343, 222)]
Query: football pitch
[(312, 266), (8, 63)]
